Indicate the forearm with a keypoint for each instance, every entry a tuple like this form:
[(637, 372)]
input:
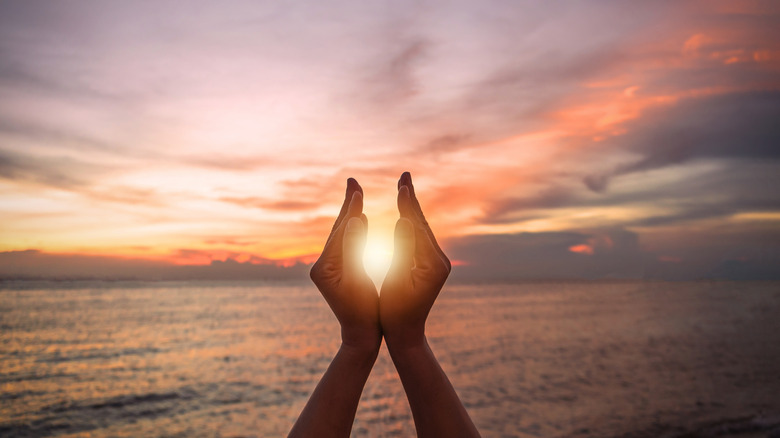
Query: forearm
[(435, 405), (331, 408)]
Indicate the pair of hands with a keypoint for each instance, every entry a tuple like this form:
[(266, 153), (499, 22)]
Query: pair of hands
[(416, 275)]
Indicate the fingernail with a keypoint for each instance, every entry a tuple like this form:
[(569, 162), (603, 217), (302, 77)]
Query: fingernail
[(355, 196)]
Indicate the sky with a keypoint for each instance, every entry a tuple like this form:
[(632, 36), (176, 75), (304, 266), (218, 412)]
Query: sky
[(546, 139)]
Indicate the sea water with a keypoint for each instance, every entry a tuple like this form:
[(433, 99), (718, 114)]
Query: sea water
[(537, 359)]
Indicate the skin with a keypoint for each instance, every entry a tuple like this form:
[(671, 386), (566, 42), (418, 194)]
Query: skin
[(351, 295), (416, 276)]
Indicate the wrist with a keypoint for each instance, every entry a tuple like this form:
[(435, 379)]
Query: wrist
[(406, 343), (365, 354), (365, 341)]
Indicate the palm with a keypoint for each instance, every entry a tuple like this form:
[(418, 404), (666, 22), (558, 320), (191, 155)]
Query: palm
[(341, 278), (349, 291), (419, 271)]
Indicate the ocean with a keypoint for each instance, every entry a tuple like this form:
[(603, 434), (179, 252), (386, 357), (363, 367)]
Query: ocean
[(536, 359)]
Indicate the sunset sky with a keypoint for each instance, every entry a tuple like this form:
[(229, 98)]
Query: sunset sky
[(546, 139)]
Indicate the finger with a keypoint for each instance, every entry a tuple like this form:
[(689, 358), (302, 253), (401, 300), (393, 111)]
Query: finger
[(352, 187), (333, 246), (406, 180), (405, 207), (353, 244), (425, 252), (403, 250)]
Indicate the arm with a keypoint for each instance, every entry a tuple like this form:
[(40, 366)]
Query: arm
[(331, 408), (417, 274), (350, 293)]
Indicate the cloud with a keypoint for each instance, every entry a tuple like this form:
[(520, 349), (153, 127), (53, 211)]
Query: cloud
[(501, 210), (740, 125), (709, 188), (392, 81), (34, 264), (52, 136), (663, 113), (284, 205), (733, 252), (229, 241), (233, 163), (611, 253), (68, 174), (48, 172), (445, 143), (693, 211), (16, 75)]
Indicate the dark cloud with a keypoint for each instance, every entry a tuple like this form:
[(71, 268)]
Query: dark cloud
[(392, 80), (745, 269), (33, 264), (502, 210), (445, 143), (739, 125), (51, 137), (738, 186), (701, 210), (65, 173), (48, 172), (732, 252), (736, 252), (55, 137), (15, 75), (615, 253)]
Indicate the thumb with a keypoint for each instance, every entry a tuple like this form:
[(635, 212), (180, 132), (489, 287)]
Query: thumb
[(354, 242), (403, 251)]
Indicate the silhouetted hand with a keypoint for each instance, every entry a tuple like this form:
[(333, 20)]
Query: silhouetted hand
[(350, 293), (341, 278), (417, 273), (416, 276)]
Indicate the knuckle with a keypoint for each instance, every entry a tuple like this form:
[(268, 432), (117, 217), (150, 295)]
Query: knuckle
[(316, 272), (448, 264), (441, 270)]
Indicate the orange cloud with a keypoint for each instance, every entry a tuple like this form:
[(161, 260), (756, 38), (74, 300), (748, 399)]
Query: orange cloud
[(582, 249), (255, 202)]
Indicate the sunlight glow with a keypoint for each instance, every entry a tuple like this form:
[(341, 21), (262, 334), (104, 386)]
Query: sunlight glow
[(377, 257)]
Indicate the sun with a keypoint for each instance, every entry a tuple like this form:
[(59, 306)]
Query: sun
[(377, 257)]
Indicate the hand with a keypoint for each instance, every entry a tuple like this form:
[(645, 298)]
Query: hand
[(341, 278), (414, 280), (350, 293), (417, 274)]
